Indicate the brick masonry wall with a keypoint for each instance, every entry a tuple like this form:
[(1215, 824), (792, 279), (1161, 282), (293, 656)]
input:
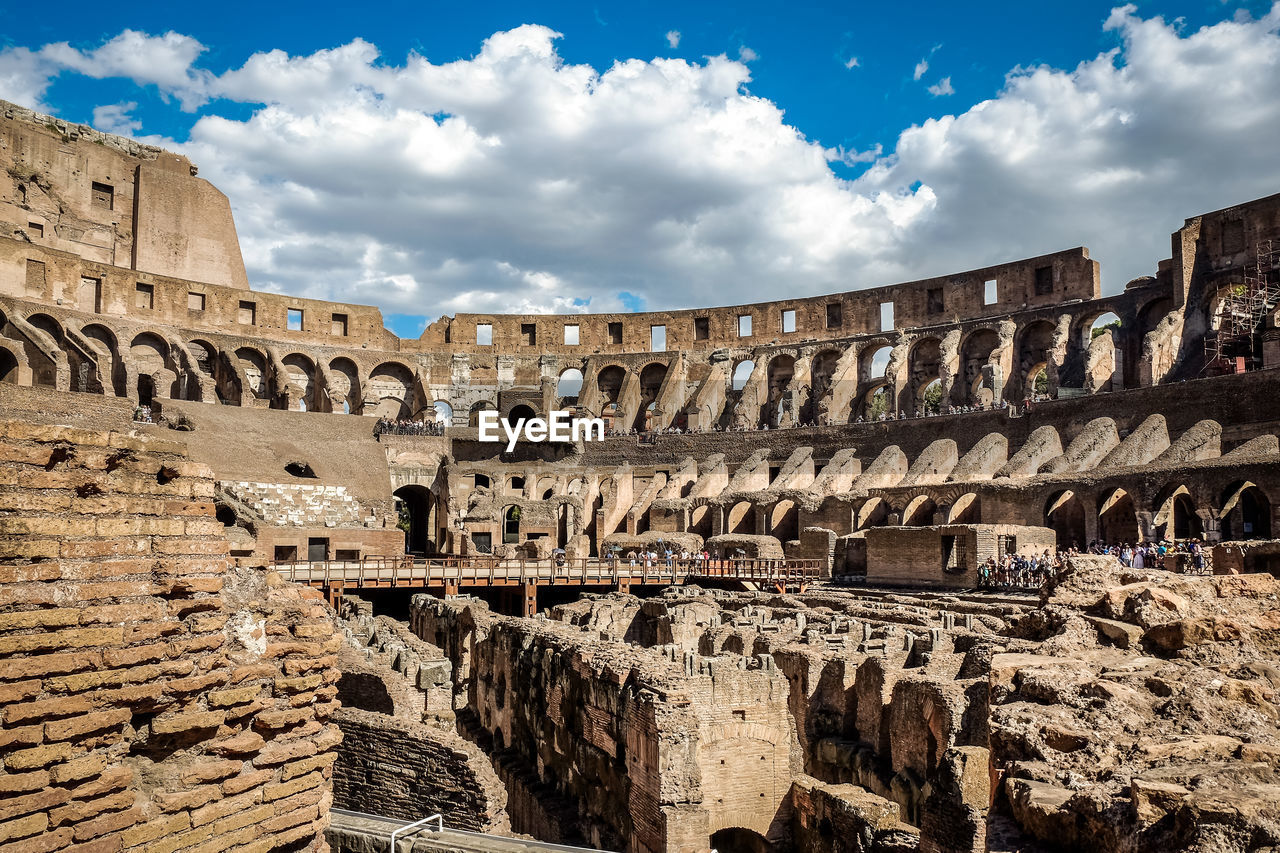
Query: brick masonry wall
[(409, 770), (151, 698)]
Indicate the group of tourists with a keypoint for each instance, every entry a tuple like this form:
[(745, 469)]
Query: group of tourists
[(901, 415), (143, 415), (671, 557), (1192, 554), (1015, 571), (388, 426)]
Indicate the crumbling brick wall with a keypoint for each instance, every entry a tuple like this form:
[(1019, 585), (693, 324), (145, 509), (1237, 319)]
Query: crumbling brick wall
[(150, 698)]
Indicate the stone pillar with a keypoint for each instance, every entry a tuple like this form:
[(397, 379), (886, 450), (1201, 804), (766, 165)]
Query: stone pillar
[(529, 598), (954, 817)]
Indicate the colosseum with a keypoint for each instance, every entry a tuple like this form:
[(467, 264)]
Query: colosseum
[(984, 562)]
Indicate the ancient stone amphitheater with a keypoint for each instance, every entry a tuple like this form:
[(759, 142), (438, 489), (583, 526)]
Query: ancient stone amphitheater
[(263, 587)]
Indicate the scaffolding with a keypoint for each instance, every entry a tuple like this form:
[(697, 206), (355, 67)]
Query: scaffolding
[(1232, 345)]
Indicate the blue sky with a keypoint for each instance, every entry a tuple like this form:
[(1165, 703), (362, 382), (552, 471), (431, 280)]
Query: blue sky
[(739, 152)]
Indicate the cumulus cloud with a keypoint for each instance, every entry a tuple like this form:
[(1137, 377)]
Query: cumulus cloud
[(165, 61), (746, 54), (921, 67), (116, 118), (942, 87), (851, 62), (673, 38), (515, 181)]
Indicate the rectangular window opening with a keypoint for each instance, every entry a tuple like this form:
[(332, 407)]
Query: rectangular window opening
[(103, 195), (788, 322), (615, 333), (886, 317), (744, 325), (990, 292), (937, 301), (835, 316), (528, 334), (338, 326), (145, 296), (1044, 280), (484, 334), (701, 328), (248, 314), (294, 323), (657, 338), (571, 335), (35, 229), (195, 301)]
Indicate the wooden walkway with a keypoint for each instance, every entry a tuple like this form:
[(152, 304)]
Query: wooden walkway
[(452, 575)]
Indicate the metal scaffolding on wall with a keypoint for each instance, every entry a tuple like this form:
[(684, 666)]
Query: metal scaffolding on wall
[(1233, 346)]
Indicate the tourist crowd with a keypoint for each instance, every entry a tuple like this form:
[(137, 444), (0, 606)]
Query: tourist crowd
[(1015, 571), (388, 426), (1192, 554), (142, 415)]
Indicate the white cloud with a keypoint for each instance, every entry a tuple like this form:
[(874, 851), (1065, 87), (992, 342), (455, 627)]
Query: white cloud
[(673, 39), (851, 62), (921, 67), (942, 87), (24, 77), (515, 181), (165, 61), (115, 118), (746, 54)]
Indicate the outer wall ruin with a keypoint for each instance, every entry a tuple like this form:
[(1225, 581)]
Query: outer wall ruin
[(174, 445)]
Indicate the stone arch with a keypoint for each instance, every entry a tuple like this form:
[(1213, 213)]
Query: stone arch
[(877, 399), (822, 371), (344, 386), (784, 521), (930, 400), (1245, 513), (300, 375), (511, 524), (609, 382), (418, 511), (253, 364), (1175, 516), (966, 510), (1064, 514), (8, 365), (873, 513), (700, 520), (473, 414), (923, 359), (873, 360), (105, 345), (742, 374), (736, 839), (781, 369), (390, 386), (651, 379), (49, 326), (443, 412), (740, 518), (919, 512), (569, 385), (1034, 352), (976, 351), (150, 356), (1117, 518)]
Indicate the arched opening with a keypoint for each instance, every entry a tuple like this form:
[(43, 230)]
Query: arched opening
[(975, 355), (1064, 514), (1104, 322), (609, 382), (1246, 513), (253, 365), (741, 519), (519, 414), (966, 510), (300, 374), (511, 525), (700, 520), (651, 378), (473, 416), (924, 359), (1035, 349), (1176, 516), (784, 521), (822, 371), (873, 513), (738, 840), (569, 385), (365, 691), (1117, 518), (416, 508), (742, 373), (8, 366), (919, 512), (779, 374), (873, 362), (444, 412), (877, 403), (391, 384)]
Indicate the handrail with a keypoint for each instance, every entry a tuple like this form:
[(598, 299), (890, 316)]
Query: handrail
[(413, 827)]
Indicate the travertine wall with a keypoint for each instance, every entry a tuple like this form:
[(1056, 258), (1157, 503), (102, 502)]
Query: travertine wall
[(151, 698)]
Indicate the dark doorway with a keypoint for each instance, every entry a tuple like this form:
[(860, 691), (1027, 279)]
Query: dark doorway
[(738, 840), (317, 549)]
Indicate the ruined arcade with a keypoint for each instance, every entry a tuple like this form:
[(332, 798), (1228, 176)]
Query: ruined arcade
[(259, 572)]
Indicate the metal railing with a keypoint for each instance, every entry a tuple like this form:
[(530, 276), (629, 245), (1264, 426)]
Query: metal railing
[(407, 571)]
